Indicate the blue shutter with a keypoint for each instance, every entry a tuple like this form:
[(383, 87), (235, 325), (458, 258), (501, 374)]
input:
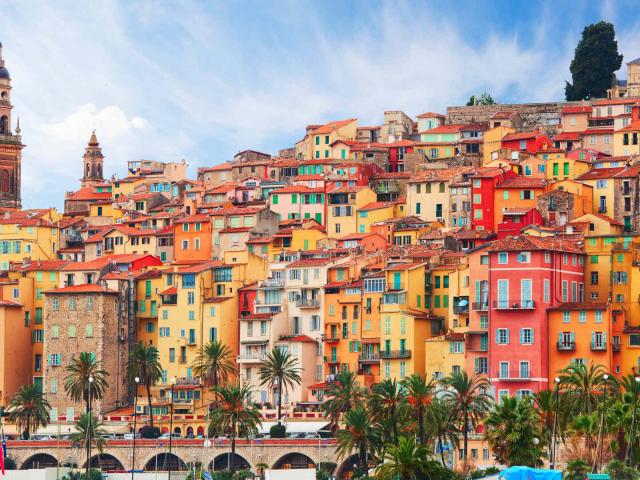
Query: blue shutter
[(533, 336), (508, 333)]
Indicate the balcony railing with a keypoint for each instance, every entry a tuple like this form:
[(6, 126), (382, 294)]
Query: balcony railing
[(598, 346), (394, 354), (511, 305), (369, 358), (332, 338), (308, 303), (272, 283), (252, 357), (480, 306), (461, 308), (188, 381), (566, 346), (515, 375)]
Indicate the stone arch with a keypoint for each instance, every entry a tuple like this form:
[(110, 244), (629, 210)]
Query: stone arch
[(105, 462), (200, 431), (189, 431), (222, 461), (345, 470), (293, 460), (164, 461), (39, 460)]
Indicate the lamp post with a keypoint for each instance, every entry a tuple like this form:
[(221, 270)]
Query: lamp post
[(598, 459), (552, 457), (135, 417), (173, 384), (633, 422), (90, 429)]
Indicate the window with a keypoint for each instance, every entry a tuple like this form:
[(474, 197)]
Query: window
[(502, 336), (503, 258), (546, 290), (526, 336), (55, 331), (598, 316), (566, 317), (524, 257), (89, 330)]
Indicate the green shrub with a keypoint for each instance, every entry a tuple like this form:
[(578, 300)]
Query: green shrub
[(278, 431), (149, 432)]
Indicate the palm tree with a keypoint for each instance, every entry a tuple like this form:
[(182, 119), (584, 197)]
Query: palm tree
[(440, 427), (89, 432), (280, 372), (358, 434), (584, 384), (77, 385), (29, 408), (214, 364), (343, 394), (544, 403), (234, 415), (405, 461), (419, 396), (511, 428), (144, 364), (386, 405), (469, 400)]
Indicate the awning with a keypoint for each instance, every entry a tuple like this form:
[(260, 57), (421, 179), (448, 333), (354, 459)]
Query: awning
[(296, 427)]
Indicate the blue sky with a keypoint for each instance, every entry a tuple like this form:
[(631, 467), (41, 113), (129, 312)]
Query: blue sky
[(168, 80)]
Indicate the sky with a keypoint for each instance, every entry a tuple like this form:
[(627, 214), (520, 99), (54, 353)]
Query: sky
[(202, 80)]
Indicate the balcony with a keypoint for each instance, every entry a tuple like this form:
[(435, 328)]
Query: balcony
[(598, 347), (308, 303), (369, 358), (615, 347), (332, 338), (271, 283), (186, 381), (251, 358), (515, 376), (460, 305), (480, 306), (395, 354), (566, 346), (509, 305), (332, 359)]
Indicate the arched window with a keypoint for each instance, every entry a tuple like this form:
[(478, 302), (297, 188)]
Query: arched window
[(4, 124), (5, 181)]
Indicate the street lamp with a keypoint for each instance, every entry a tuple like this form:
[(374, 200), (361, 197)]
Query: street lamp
[(598, 460), (173, 384), (633, 422), (552, 457), (135, 417), (90, 431)]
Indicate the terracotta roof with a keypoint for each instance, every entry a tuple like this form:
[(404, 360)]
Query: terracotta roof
[(85, 288), (200, 266), (235, 229), (315, 176), (216, 168), (600, 173), (597, 215), (297, 189), (614, 101), (332, 126), (577, 109), (439, 174), (597, 131), (487, 172), (9, 303), (345, 284), (101, 262), (260, 240), (444, 129), (523, 182), (169, 291), (306, 262), (201, 217), (375, 206), (581, 306), (563, 136), (42, 265), (403, 266), (475, 234), (299, 338), (258, 316), (516, 211), (430, 115), (88, 193), (522, 243), (520, 136), (348, 189)]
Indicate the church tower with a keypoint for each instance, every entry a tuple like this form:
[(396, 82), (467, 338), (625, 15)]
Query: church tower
[(93, 161), (10, 146)]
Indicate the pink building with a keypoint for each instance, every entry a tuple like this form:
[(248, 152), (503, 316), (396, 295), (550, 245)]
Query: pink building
[(298, 201), (527, 275)]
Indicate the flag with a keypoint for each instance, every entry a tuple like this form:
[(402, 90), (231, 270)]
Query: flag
[(207, 476), (4, 451)]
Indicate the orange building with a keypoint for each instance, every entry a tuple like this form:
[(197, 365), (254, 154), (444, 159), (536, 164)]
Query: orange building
[(583, 332), (192, 239), (516, 192)]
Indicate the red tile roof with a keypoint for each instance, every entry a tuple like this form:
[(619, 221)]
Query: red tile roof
[(577, 109), (200, 266), (297, 189), (375, 206), (444, 129), (430, 115), (523, 182), (521, 136), (201, 217), (169, 291), (88, 193), (85, 288), (439, 174), (332, 126), (564, 136), (42, 265), (526, 243), (600, 173)]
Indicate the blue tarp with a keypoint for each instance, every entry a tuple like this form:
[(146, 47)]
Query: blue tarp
[(528, 473)]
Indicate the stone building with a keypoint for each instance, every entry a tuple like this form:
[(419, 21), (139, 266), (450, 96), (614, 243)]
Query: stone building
[(629, 87), (84, 318)]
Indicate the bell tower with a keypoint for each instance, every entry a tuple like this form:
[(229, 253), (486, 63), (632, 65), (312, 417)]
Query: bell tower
[(10, 146), (92, 162)]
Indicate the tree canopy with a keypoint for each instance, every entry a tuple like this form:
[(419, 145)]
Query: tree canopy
[(595, 60)]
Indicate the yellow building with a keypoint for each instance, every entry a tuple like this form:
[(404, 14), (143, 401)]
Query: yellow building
[(29, 233), (602, 180), (343, 205), (149, 285), (317, 142), (372, 213), (492, 141), (560, 167), (405, 321)]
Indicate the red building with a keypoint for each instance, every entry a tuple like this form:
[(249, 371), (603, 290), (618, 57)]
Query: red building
[(483, 185), (397, 150), (527, 275), (246, 300), (515, 219), (530, 142)]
